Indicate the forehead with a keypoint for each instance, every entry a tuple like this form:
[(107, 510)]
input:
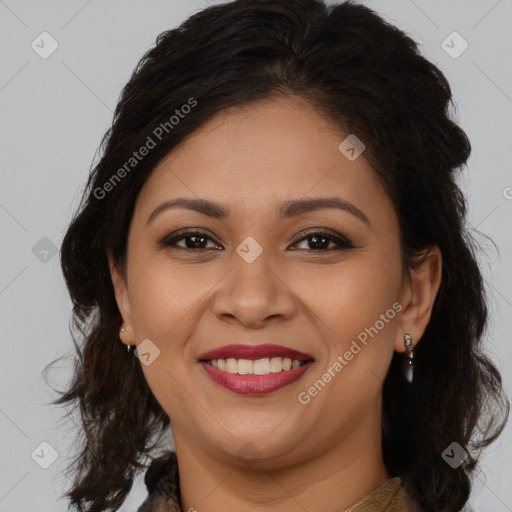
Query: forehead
[(269, 151)]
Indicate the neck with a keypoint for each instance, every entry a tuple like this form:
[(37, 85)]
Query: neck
[(335, 479)]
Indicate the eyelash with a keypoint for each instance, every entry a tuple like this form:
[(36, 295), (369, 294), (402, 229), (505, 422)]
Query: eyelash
[(342, 242)]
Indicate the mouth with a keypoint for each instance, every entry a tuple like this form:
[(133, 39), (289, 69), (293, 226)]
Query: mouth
[(255, 370)]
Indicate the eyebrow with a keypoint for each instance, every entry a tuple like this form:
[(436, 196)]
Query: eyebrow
[(288, 209)]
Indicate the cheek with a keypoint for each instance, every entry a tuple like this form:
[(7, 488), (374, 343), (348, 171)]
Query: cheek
[(364, 316), (353, 296), (358, 323), (156, 307), (164, 296), (163, 310)]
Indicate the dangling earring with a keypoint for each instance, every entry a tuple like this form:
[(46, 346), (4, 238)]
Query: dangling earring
[(409, 363), (128, 347)]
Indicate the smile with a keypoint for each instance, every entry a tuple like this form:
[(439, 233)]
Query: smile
[(255, 369)]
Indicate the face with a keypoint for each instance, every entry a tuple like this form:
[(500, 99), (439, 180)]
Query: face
[(262, 266)]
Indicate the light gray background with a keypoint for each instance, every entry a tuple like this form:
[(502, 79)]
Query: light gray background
[(54, 113)]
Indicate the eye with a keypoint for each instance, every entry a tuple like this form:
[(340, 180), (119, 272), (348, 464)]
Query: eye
[(320, 240), (192, 240)]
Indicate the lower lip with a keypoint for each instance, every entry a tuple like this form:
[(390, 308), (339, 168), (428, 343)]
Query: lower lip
[(255, 384)]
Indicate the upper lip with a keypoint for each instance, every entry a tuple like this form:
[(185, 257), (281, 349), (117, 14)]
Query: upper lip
[(254, 352)]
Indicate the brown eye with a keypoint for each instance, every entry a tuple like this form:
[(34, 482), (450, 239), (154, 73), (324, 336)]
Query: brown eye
[(193, 240), (319, 241)]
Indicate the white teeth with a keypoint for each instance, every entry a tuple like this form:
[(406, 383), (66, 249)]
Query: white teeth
[(245, 366), (261, 366), (258, 367), (231, 365), (276, 364)]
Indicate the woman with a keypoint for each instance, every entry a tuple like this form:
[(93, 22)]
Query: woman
[(275, 225)]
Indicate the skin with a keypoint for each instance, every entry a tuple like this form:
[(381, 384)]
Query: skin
[(323, 455)]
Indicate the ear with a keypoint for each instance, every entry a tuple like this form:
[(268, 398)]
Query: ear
[(123, 301), (418, 296)]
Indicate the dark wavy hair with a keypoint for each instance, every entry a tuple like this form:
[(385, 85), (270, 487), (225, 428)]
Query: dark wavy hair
[(367, 77)]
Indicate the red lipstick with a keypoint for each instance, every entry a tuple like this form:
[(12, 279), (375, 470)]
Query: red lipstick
[(249, 384), (255, 384)]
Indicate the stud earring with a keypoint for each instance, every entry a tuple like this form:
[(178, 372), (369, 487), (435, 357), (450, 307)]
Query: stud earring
[(408, 366)]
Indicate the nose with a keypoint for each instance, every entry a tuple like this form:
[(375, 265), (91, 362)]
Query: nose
[(252, 294)]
